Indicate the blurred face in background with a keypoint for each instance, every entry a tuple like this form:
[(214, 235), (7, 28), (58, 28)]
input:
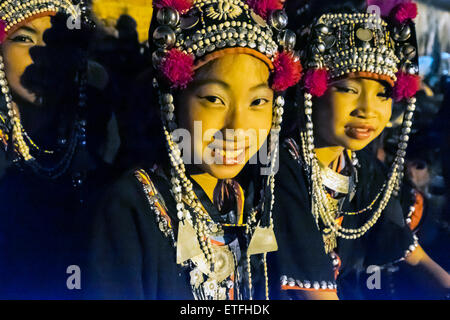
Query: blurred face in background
[(16, 54)]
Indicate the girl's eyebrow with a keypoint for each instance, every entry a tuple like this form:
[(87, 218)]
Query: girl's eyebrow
[(202, 82), (28, 29), (263, 85)]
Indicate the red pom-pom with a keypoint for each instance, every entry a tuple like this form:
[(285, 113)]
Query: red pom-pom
[(182, 6), (178, 68), (3, 33), (404, 12), (406, 86), (316, 81), (385, 6), (288, 71), (265, 7)]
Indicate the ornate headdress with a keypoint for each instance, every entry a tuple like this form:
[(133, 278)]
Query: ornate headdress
[(189, 34), (360, 45), (14, 14), (192, 33), (364, 45)]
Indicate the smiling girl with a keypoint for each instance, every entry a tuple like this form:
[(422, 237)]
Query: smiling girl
[(338, 210), (198, 223)]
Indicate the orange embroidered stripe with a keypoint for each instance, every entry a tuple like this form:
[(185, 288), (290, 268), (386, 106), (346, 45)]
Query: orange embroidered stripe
[(145, 179)]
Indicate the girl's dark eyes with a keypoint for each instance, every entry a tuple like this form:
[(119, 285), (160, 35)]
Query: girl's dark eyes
[(213, 99), (259, 102), (22, 38), (345, 89), (384, 95)]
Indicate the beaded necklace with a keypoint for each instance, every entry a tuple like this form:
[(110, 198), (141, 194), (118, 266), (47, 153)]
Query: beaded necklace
[(19, 136), (323, 208), (182, 188)]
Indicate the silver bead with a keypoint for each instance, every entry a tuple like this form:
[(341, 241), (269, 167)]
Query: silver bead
[(157, 56), (401, 153), (321, 47), (409, 52), (280, 101), (404, 138), (169, 108), (167, 98), (164, 37), (322, 29), (406, 130), (402, 33), (168, 16), (287, 39), (278, 19), (411, 107), (412, 69)]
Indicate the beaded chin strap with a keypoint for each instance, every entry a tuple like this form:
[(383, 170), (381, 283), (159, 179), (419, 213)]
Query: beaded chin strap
[(191, 33), (358, 45), (13, 13)]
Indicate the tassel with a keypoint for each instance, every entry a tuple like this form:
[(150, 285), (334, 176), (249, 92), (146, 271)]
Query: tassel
[(406, 86), (288, 71), (316, 82), (3, 33), (182, 6), (178, 68), (404, 12), (265, 7)]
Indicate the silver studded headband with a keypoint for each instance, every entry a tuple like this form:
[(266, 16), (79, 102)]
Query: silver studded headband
[(212, 28)]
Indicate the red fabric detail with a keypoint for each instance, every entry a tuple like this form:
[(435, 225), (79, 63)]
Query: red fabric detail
[(182, 6), (404, 12), (178, 68), (288, 71), (406, 86), (265, 7), (2, 31), (316, 81)]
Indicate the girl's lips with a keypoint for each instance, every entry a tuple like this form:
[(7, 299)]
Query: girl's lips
[(229, 157), (359, 131)]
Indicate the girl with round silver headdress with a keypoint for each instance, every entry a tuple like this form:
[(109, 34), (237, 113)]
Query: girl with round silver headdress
[(198, 223), (338, 208)]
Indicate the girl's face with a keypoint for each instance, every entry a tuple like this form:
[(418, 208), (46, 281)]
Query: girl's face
[(16, 54), (352, 113), (227, 110)]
